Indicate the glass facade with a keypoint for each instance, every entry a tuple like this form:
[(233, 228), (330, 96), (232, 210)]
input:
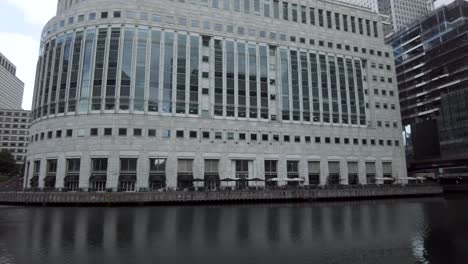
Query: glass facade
[(126, 71), (168, 69), (99, 70), (140, 75), (194, 74), (153, 101), (152, 71), (114, 52), (241, 83), (86, 71)]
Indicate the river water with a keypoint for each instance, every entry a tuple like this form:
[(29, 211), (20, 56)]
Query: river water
[(429, 230)]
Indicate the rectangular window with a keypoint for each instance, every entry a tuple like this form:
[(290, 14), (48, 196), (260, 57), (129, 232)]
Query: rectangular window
[(285, 11), (292, 167), (122, 131), (165, 133), (137, 132), (329, 19), (337, 21), (247, 6), (94, 132), (320, 17), (151, 132), (294, 12), (304, 14), (266, 8), (276, 9), (107, 131)]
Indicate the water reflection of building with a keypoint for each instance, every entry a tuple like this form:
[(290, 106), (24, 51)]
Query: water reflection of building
[(142, 96), (346, 231)]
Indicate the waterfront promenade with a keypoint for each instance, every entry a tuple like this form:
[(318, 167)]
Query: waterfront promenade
[(240, 196)]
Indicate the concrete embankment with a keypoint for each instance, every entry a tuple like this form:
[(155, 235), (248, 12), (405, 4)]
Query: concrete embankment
[(259, 196)]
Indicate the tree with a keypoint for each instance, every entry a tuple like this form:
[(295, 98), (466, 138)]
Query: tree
[(8, 164)]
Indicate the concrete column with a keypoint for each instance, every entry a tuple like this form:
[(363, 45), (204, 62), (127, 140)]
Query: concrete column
[(171, 170), (61, 170), (344, 172), (282, 170), (199, 167), (362, 171), (42, 173), (85, 171), (304, 170), (379, 170), (113, 170), (323, 170), (261, 170), (226, 169), (142, 171), (28, 174)]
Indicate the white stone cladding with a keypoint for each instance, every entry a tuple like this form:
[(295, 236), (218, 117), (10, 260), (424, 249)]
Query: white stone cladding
[(11, 88), (377, 128)]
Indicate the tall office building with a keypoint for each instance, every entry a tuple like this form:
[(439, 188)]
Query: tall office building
[(370, 4), (404, 12), (431, 64), (398, 12), (144, 95), (11, 88), (14, 132)]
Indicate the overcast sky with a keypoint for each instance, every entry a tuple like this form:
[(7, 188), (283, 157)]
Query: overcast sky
[(21, 23)]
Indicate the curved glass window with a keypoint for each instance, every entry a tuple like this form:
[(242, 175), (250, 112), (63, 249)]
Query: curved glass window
[(285, 84), (140, 75), (360, 91), (36, 86), (230, 92), (154, 71), (181, 73), (113, 58), (65, 71), (305, 87), (241, 81), (334, 90), (352, 91), (253, 86), (99, 69), (343, 92), (126, 72), (324, 82), (315, 87), (194, 74), (264, 106), (41, 81), (168, 71), (86, 72), (56, 74), (296, 103), (49, 72), (218, 67), (76, 58)]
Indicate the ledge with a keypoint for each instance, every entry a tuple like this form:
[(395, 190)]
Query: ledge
[(247, 196)]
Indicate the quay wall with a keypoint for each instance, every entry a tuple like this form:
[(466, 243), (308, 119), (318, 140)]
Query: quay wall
[(279, 195)]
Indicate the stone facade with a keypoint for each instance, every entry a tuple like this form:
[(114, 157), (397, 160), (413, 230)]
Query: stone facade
[(172, 106)]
